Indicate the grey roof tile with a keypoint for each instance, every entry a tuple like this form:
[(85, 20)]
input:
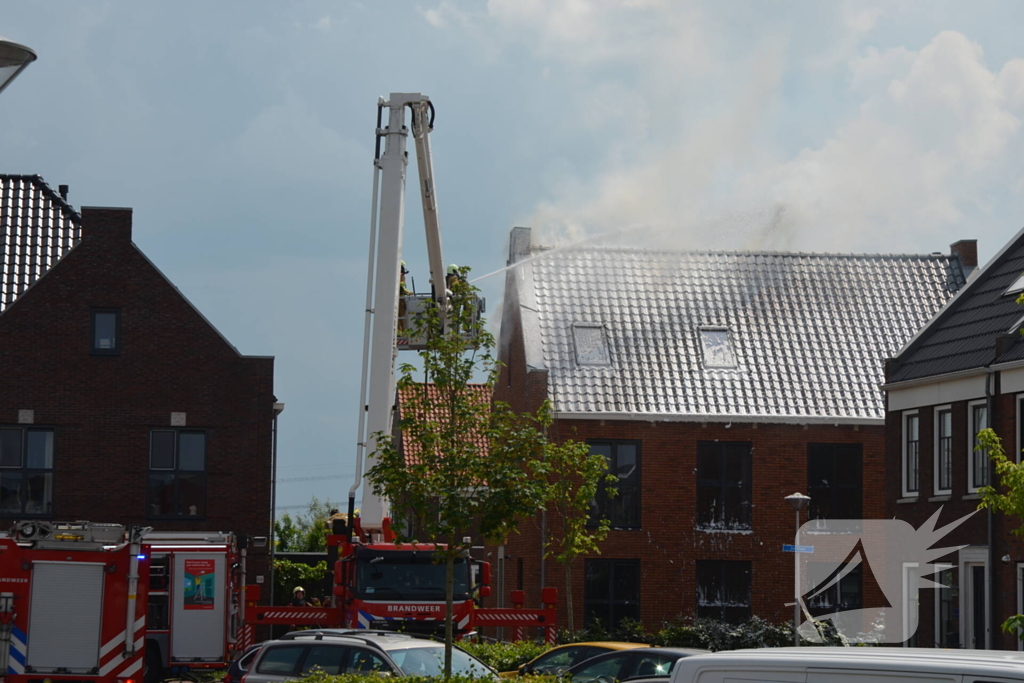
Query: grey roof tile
[(810, 332)]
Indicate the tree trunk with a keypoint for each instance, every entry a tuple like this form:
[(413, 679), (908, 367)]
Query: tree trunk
[(449, 595), (568, 597)]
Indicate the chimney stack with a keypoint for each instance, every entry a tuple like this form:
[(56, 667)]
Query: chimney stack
[(63, 190), (519, 244), (107, 222), (967, 252)]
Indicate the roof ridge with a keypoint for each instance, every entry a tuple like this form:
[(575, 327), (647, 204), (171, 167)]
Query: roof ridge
[(540, 249), (47, 190)]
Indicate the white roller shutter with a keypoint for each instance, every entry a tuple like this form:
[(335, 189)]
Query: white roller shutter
[(65, 616)]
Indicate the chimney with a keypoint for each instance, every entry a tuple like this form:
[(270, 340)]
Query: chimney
[(107, 222), (63, 191), (518, 245), (967, 252)]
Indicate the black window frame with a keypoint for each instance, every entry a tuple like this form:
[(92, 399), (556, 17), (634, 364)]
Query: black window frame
[(615, 606), (826, 493), (714, 576), (943, 451), (178, 474), (980, 464), (25, 472), (911, 453), (713, 511), (834, 593), (612, 507), (93, 348)]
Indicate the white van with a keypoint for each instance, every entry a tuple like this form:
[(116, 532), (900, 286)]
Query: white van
[(852, 665)]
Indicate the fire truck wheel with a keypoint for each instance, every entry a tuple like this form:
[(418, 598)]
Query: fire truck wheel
[(152, 668)]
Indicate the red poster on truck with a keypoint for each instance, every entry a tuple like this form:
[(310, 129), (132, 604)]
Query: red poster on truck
[(200, 584)]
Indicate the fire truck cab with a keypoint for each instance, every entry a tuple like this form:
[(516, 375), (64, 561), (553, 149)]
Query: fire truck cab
[(72, 602), (194, 616)]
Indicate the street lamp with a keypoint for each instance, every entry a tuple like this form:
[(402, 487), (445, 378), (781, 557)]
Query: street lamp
[(13, 60), (798, 501)]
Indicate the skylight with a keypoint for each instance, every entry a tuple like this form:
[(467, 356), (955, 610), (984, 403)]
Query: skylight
[(718, 351), (591, 345), (1017, 287)]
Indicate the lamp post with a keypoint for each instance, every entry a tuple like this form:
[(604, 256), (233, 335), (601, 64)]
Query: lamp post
[(798, 501), (13, 60)]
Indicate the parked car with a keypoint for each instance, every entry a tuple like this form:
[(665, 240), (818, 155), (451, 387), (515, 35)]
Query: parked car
[(352, 651), (654, 664), (239, 665), (559, 659), (853, 665)]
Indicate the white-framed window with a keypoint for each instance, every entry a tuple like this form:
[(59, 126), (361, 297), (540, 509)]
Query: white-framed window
[(977, 460), (1020, 428), (911, 602), (943, 458), (911, 452), (947, 607), (1020, 599)]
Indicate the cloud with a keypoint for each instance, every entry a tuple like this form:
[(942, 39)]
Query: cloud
[(693, 126), (324, 23)]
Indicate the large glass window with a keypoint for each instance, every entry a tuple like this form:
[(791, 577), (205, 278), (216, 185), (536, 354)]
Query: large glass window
[(611, 592), (177, 473), (723, 485), (911, 452), (834, 595), (26, 471), (978, 415), (723, 590), (943, 450), (834, 480), (947, 609), (622, 509)]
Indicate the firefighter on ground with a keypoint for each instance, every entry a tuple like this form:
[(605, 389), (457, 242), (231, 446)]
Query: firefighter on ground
[(300, 598)]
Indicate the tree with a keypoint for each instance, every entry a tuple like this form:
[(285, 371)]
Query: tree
[(1009, 501), (574, 480), (307, 531), (455, 483)]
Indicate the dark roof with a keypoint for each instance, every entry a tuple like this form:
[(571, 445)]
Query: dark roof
[(963, 335), (37, 227), (627, 332)]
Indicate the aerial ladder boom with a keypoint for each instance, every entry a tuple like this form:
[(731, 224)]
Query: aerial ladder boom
[(387, 223)]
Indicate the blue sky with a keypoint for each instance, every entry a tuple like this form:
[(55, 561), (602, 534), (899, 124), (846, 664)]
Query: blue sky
[(242, 135)]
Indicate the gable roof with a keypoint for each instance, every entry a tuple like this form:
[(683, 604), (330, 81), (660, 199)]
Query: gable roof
[(410, 448), (808, 333), (963, 335), (37, 227)]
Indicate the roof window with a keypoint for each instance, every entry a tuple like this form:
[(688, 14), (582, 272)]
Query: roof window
[(591, 344), (717, 344), (1017, 287)]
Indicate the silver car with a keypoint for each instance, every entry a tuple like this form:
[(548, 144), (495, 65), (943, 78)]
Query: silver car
[(351, 651)]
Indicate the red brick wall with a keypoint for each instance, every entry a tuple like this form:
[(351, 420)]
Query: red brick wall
[(103, 407), (667, 543), (972, 532)]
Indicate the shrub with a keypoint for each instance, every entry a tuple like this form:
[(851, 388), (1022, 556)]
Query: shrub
[(504, 656)]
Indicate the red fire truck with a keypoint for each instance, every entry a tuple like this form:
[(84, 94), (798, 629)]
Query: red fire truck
[(194, 612), (72, 603)]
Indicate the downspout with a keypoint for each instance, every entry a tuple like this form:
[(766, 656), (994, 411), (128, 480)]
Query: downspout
[(278, 409), (992, 388)]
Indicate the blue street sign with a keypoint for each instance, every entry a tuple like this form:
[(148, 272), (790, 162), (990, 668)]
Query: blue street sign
[(798, 548)]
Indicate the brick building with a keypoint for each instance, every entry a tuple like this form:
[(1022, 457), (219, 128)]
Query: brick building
[(120, 401), (715, 383), (962, 372)]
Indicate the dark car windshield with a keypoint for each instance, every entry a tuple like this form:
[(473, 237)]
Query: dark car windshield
[(406, 575), (429, 661)]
